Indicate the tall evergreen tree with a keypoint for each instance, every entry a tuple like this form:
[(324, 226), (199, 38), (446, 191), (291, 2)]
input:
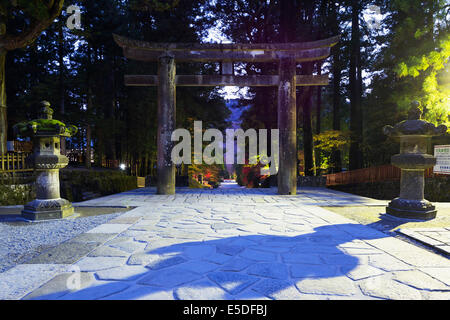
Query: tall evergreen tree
[(21, 22)]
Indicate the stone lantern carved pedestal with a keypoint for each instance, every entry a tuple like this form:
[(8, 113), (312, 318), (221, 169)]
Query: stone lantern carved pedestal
[(414, 135), (47, 160)]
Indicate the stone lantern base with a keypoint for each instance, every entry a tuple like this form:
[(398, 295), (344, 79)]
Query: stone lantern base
[(47, 209), (411, 209)]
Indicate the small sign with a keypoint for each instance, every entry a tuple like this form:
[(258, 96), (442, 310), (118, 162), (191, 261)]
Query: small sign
[(442, 154)]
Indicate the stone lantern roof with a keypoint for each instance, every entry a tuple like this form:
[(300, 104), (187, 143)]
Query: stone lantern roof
[(414, 125), (45, 125)]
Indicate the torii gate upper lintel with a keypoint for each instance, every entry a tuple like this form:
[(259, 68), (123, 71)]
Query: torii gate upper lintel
[(288, 55)]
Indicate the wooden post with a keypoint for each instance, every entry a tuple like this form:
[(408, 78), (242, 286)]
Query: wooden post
[(287, 124), (166, 124)]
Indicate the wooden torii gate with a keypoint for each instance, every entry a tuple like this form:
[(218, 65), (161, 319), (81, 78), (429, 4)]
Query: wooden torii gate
[(288, 55)]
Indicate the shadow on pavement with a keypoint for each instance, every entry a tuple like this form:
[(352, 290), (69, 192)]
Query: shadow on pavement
[(227, 268)]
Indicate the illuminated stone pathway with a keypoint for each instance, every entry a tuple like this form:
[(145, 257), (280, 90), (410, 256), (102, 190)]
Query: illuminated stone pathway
[(233, 243)]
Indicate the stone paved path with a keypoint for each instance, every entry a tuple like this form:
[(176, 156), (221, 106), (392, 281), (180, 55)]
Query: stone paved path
[(234, 243), (437, 238)]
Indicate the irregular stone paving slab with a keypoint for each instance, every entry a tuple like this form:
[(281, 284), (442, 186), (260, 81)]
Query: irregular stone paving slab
[(120, 238), (250, 295), (386, 288), (443, 274), (61, 285), (138, 292), (437, 238), (24, 278), (230, 250), (341, 286), (361, 271), (258, 255), (156, 261), (217, 258), (388, 263), (89, 264), (201, 290), (340, 259), (420, 280), (104, 251), (65, 253), (309, 248), (147, 227), (169, 278), (409, 253), (198, 251), (270, 248), (236, 264), (361, 251), (269, 270), (301, 258), (142, 258), (93, 237), (129, 246), (160, 245), (313, 271), (277, 289), (124, 273), (200, 267), (436, 295), (99, 290), (110, 228), (232, 282), (165, 261), (125, 220)]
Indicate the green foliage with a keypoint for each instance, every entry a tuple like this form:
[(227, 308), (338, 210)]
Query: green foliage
[(416, 57), (433, 95), (25, 129), (16, 195), (331, 140), (194, 184), (74, 183), (328, 142)]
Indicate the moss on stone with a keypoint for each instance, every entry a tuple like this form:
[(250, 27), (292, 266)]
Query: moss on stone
[(28, 128)]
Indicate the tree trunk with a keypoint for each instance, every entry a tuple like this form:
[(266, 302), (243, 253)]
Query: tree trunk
[(61, 79), (316, 154), (337, 77), (3, 113), (355, 92), (88, 158), (337, 70), (307, 132), (319, 102)]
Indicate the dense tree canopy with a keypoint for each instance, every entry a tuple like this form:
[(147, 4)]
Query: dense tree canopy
[(390, 53)]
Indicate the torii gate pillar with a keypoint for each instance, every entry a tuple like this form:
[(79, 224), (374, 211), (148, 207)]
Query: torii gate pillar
[(166, 124), (287, 125)]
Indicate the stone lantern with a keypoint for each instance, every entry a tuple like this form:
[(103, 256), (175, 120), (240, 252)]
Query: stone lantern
[(415, 135), (47, 160)]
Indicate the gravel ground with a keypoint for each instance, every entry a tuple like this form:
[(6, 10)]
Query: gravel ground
[(21, 241)]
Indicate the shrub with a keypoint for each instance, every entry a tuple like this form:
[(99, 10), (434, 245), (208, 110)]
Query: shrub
[(75, 182), (16, 194)]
